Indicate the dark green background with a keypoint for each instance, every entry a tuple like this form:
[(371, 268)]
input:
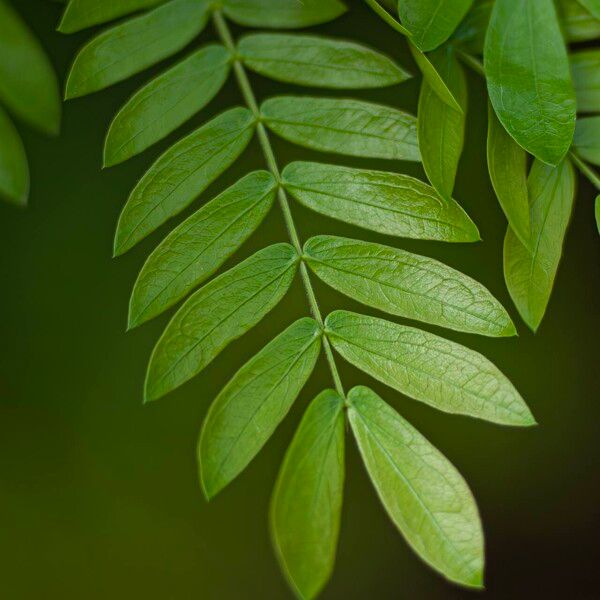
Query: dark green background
[(99, 495)]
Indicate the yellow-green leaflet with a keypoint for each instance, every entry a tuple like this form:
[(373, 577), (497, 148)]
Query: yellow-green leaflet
[(80, 14), (135, 45), (14, 172), (426, 367), (344, 126), (200, 245), (307, 500), (585, 68), (218, 313), (530, 273), (528, 77), (424, 495), (406, 284), (182, 173), (587, 139), (250, 407), (593, 6), (318, 61), (166, 102), (389, 203)]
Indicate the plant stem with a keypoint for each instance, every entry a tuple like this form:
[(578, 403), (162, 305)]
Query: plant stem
[(472, 62), (586, 170), (385, 15), (265, 143)]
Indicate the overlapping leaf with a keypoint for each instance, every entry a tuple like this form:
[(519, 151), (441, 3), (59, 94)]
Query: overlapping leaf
[(14, 171), (585, 68), (587, 139)]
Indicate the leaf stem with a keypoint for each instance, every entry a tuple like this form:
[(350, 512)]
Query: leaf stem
[(265, 143), (389, 19), (471, 61), (586, 170)]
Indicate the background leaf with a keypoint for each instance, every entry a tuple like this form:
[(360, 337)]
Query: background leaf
[(166, 102), (182, 173), (389, 203), (217, 314), (593, 6), (14, 172), (530, 273), (428, 368), (200, 245), (587, 139), (343, 126), (579, 24), (470, 34), (307, 500), (245, 414), (597, 212), (528, 77), (422, 492), (318, 61), (585, 68), (406, 284)]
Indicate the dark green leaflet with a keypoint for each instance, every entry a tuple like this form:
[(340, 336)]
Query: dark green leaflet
[(441, 129), (407, 285), (432, 22), (470, 34), (28, 86), (166, 102), (80, 14), (135, 45), (593, 6), (389, 203), (428, 368), (14, 172), (585, 68), (182, 173), (282, 13), (247, 411), (587, 139), (530, 273), (424, 495), (344, 126), (317, 61), (578, 22), (507, 165), (215, 315), (307, 500), (528, 77), (200, 245), (597, 212)]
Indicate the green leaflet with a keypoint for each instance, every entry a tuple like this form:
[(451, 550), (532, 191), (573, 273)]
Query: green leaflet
[(200, 245), (136, 44), (587, 139), (422, 492), (441, 129), (528, 77), (470, 34), (406, 284), (507, 165), (432, 22), (307, 500), (344, 126), (182, 173), (80, 14), (282, 13), (597, 212), (585, 68), (28, 85), (530, 274), (429, 368), (592, 6), (14, 172), (389, 203), (579, 24), (435, 79), (166, 102), (250, 407), (318, 61), (215, 315)]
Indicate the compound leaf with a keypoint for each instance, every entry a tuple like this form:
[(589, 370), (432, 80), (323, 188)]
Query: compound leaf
[(585, 68), (200, 245), (182, 173), (307, 500), (530, 273), (14, 171), (528, 77), (428, 368), (250, 407), (422, 492), (406, 284), (389, 203), (344, 126), (218, 313), (166, 102), (318, 61), (135, 45), (28, 86), (587, 139)]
